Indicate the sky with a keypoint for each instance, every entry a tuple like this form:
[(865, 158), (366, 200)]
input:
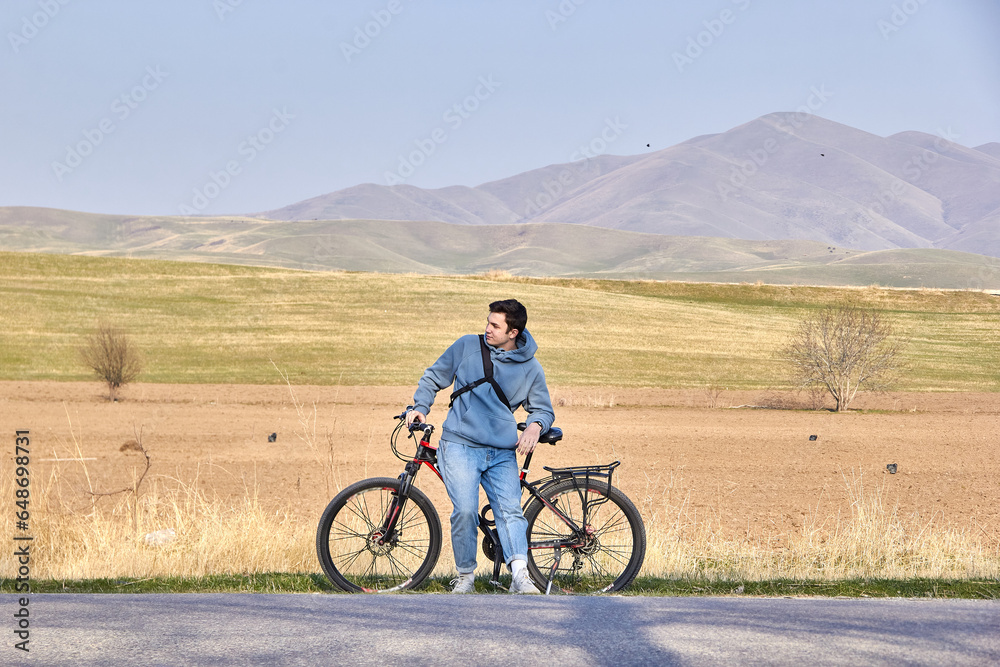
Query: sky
[(212, 107)]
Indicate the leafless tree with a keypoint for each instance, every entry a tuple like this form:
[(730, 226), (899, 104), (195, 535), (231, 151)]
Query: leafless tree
[(113, 357), (845, 349)]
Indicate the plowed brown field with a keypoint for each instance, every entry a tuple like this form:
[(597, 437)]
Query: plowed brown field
[(748, 471)]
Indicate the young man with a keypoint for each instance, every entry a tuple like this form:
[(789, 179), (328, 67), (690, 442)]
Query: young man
[(479, 439)]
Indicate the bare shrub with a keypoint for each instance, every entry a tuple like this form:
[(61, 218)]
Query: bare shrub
[(138, 446), (113, 357), (713, 393), (776, 400), (816, 397), (844, 349)]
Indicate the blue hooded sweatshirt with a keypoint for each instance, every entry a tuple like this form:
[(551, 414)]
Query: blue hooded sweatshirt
[(478, 417)]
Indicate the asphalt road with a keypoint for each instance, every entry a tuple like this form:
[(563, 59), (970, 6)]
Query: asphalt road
[(490, 629)]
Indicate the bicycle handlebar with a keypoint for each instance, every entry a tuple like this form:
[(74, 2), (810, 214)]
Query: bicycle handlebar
[(415, 426), (552, 436)]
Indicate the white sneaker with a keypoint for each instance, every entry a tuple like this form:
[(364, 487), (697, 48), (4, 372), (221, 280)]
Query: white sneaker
[(521, 584), (465, 583)]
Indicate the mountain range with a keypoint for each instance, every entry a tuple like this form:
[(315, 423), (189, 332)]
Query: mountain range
[(787, 199), (784, 176)]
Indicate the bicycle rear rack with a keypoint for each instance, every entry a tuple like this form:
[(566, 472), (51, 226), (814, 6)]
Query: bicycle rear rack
[(586, 474)]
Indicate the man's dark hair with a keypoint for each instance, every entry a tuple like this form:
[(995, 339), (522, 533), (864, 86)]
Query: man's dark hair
[(514, 313)]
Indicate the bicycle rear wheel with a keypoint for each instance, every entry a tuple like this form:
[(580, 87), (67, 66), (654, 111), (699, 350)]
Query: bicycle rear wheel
[(608, 553), (354, 553)]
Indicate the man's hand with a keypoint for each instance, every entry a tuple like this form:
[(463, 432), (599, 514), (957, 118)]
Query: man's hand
[(415, 416), (529, 438)]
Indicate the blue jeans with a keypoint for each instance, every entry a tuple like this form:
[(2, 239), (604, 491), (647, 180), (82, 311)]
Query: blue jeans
[(464, 468)]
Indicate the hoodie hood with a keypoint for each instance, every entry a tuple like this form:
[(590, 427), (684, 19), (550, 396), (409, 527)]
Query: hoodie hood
[(525, 350)]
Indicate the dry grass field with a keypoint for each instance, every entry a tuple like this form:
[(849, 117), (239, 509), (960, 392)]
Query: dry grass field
[(646, 372), (725, 493), (199, 323)]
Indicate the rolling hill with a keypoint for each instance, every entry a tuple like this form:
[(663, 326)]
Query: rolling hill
[(436, 248), (782, 176)]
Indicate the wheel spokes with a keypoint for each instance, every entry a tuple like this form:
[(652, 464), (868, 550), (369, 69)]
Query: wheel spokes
[(359, 552), (607, 548)]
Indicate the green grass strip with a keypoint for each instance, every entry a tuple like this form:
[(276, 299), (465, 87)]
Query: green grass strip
[(280, 582)]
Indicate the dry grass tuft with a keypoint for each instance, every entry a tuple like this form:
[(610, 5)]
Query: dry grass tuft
[(212, 536), (497, 274), (872, 542), (179, 529), (588, 400)]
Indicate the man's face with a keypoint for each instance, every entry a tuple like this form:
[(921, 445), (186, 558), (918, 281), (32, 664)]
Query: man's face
[(497, 333)]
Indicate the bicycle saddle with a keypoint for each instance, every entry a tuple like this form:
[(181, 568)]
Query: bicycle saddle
[(552, 436)]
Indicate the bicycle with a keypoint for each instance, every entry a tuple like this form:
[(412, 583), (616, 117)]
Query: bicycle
[(384, 534)]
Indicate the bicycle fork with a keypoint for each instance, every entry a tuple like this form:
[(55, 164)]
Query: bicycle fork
[(426, 455)]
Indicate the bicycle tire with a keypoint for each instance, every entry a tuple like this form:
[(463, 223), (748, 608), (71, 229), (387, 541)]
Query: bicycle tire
[(351, 557), (614, 549)]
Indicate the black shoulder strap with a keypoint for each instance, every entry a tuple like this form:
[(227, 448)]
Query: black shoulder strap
[(488, 372)]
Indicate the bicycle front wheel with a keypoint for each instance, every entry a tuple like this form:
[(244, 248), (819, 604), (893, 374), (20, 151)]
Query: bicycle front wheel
[(356, 553), (607, 552)]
